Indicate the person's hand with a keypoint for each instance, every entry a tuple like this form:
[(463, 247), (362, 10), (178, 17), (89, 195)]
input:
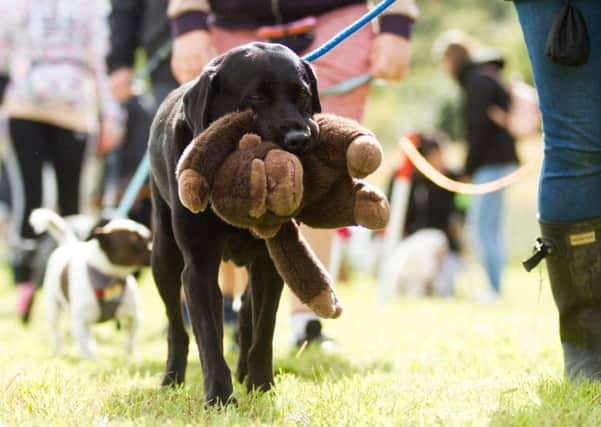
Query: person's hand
[(498, 116), (112, 131), (191, 52), (390, 57), (120, 83)]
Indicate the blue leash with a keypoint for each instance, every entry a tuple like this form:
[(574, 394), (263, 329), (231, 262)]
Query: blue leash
[(348, 31), (143, 169)]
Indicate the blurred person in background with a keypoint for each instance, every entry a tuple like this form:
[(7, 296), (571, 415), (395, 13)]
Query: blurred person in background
[(491, 152), (205, 28), (136, 26), (52, 65), (568, 79), (433, 207)]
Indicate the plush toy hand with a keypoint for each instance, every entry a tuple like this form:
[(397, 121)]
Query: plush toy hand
[(203, 157), (347, 151)]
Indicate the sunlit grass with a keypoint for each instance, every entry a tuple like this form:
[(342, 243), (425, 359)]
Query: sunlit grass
[(410, 362)]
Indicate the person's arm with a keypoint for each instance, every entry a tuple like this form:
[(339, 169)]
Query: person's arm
[(391, 52), (192, 46), (125, 21), (112, 116)]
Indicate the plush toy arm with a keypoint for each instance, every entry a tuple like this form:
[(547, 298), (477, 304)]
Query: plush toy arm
[(353, 202), (202, 158), (303, 272), (344, 142)]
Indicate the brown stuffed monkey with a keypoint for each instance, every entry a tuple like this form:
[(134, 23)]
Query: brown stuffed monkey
[(256, 185)]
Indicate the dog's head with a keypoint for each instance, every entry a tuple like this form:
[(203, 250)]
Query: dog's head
[(269, 79), (124, 242)]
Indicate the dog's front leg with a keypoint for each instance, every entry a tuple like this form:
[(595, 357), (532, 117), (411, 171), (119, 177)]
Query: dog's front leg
[(265, 291), (201, 240), (206, 314)]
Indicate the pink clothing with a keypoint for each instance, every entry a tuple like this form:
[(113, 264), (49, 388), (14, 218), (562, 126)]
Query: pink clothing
[(345, 61)]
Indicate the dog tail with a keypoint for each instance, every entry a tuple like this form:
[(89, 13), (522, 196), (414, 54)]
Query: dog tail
[(43, 220)]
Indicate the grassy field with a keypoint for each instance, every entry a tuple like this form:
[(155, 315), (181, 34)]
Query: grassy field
[(410, 362)]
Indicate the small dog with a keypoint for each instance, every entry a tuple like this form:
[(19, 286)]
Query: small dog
[(412, 267), (93, 278)]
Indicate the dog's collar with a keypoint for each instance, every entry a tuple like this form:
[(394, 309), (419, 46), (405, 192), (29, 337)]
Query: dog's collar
[(109, 291), (103, 283)]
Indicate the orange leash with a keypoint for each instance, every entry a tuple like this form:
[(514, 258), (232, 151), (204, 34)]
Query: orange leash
[(426, 169)]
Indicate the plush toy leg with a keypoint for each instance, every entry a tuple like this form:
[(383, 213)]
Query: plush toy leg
[(303, 272)]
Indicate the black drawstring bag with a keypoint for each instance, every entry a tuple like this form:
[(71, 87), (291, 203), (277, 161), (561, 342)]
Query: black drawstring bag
[(568, 41)]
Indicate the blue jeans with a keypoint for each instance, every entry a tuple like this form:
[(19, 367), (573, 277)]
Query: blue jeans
[(485, 222), (570, 101)]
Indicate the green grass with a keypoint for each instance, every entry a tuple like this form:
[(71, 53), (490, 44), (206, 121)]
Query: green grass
[(410, 362)]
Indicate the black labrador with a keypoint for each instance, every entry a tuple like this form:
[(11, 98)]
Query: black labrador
[(281, 89)]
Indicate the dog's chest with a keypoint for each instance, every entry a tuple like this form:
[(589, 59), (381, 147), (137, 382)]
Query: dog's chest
[(109, 292)]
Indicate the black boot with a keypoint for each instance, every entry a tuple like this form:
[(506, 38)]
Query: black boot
[(573, 254)]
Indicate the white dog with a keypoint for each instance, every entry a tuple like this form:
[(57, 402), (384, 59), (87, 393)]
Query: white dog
[(93, 279), (412, 267)]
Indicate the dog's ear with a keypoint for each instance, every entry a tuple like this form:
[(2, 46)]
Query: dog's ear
[(316, 105), (98, 232), (197, 97)]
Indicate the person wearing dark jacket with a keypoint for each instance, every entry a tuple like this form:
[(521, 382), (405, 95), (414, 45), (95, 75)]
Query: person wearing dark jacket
[(136, 24), (139, 24), (491, 152)]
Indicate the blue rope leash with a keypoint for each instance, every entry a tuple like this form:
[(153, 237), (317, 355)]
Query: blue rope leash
[(348, 31), (141, 174), (134, 187)]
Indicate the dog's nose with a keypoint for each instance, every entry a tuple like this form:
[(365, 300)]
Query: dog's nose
[(297, 141)]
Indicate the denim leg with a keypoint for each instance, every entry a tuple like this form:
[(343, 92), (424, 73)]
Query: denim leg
[(570, 101), (485, 219)]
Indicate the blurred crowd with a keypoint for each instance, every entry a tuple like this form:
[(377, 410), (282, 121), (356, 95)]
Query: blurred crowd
[(80, 82)]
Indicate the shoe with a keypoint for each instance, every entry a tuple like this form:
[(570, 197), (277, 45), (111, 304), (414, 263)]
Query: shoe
[(230, 316), (489, 296), (314, 335), (26, 292), (573, 255)]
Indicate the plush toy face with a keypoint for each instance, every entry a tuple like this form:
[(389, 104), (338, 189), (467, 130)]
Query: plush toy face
[(258, 187)]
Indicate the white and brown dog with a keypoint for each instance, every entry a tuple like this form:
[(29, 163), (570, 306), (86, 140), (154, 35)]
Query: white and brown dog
[(93, 279)]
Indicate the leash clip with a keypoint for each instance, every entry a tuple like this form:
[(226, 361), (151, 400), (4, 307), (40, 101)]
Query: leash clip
[(540, 251)]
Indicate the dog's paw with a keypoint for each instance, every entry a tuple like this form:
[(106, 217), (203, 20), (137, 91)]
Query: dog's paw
[(363, 156), (193, 190), (326, 305)]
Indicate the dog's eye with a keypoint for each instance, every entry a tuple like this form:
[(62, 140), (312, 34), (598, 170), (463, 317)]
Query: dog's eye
[(256, 98)]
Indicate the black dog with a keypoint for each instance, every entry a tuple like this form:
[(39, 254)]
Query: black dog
[(281, 89)]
